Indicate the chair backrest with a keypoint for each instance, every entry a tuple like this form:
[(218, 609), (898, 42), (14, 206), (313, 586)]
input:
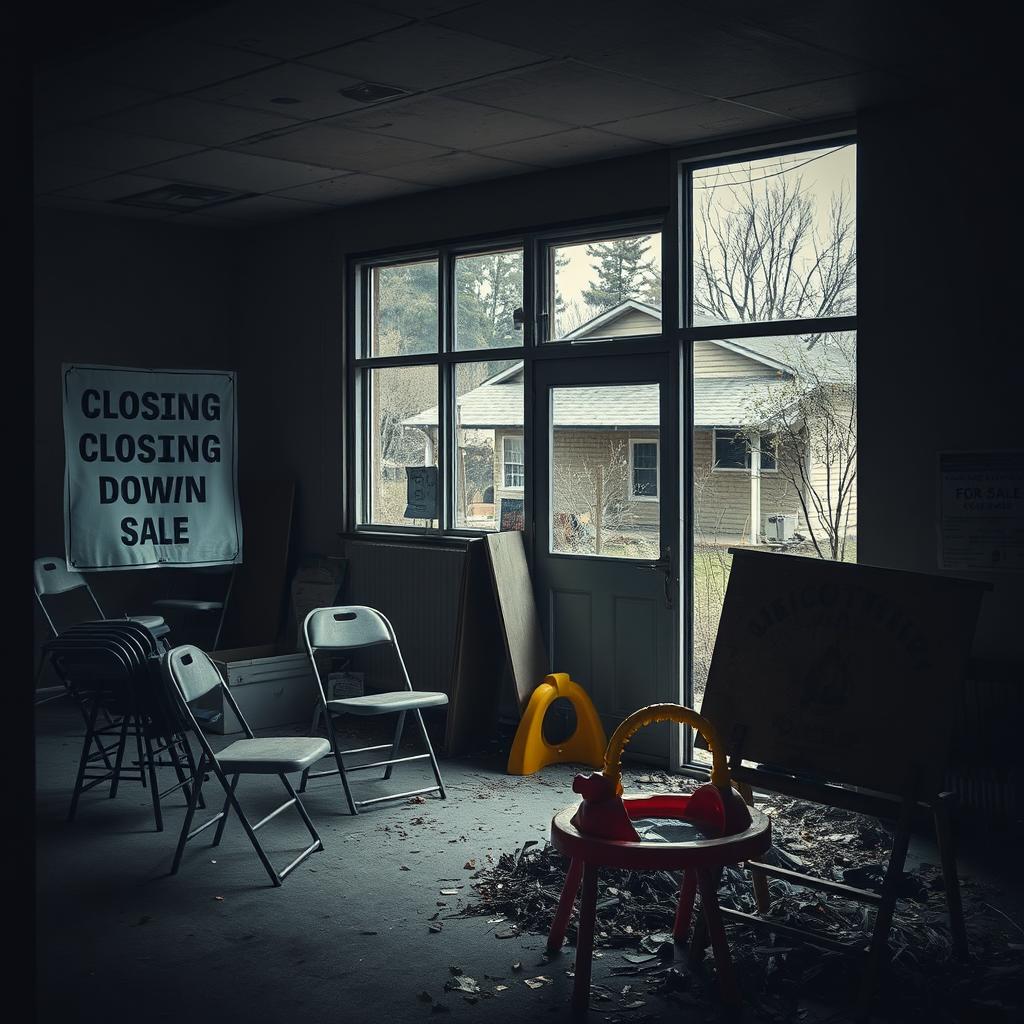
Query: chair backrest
[(191, 671), (345, 628), (51, 576)]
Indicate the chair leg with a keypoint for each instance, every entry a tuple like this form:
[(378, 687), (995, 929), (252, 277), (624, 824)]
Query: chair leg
[(947, 858), (684, 910), (224, 813), (138, 746), (707, 880), (585, 939), (83, 760), (119, 759), (302, 812), (189, 814), (150, 768), (565, 904), (275, 878), (336, 749), (430, 751), (395, 742), (190, 760)]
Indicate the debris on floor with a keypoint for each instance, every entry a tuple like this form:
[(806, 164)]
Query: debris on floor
[(785, 980)]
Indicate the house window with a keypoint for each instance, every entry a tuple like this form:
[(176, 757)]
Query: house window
[(606, 287), (644, 470), (438, 341), (513, 463), (732, 451)]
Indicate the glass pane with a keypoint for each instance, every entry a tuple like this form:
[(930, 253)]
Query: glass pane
[(610, 288), (488, 290), (793, 402), (490, 464), (595, 509), (403, 435), (775, 239), (403, 309)]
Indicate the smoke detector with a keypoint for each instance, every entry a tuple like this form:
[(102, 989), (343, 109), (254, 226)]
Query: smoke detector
[(372, 92)]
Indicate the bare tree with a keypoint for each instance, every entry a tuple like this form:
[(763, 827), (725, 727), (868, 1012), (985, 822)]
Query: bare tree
[(764, 252)]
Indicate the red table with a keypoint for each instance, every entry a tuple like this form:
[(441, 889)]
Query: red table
[(700, 860)]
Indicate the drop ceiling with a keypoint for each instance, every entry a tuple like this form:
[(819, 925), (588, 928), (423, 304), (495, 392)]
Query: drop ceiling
[(255, 96)]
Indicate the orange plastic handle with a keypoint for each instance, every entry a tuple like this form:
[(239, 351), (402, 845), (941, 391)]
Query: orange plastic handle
[(661, 713)]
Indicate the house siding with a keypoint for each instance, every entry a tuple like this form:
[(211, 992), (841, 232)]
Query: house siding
[(711, 360), (632, 322), (819, 479)]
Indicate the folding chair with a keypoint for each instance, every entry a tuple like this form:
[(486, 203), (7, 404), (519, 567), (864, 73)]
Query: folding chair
[(107, 666), (189, 675), (51, 576), (344, 629), (202, 606)]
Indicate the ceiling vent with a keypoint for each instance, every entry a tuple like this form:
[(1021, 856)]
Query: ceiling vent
[(179, 198), (372, 92)]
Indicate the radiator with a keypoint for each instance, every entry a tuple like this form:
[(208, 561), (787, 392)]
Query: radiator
[(418, 588), (985, 772)]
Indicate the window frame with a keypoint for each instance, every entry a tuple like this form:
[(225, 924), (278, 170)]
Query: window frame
[(633, 442), (746, 468)]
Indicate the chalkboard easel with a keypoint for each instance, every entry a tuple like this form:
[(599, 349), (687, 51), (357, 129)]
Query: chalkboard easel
[(837, 683)]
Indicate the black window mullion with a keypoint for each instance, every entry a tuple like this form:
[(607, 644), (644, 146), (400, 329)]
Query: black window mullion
[(445, 394)]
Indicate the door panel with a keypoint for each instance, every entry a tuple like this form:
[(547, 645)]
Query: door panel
[(602, 515)]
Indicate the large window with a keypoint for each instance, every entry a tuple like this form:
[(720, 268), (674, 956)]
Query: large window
[(439, 391), (644, 470), (769, 299)]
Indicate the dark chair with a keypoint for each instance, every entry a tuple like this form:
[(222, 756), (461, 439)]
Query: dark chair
[(203, 607)]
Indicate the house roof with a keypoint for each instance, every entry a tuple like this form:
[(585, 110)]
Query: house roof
[(717, 402)]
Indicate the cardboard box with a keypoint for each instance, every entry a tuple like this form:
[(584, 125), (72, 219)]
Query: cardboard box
[(271, 688)]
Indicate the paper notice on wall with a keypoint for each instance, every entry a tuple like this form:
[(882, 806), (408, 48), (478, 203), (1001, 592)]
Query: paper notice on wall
[(981, 510)]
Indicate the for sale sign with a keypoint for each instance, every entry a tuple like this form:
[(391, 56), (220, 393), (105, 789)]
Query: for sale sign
[(150, 468)]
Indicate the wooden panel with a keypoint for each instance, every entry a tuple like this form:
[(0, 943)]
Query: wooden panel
[(524, 641), (572, 636), (846, 672), (479, 658)]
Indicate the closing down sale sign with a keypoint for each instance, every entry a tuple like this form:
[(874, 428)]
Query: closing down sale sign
[(150, 468)]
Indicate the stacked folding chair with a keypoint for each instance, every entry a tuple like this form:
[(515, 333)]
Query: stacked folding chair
[(111, 668)]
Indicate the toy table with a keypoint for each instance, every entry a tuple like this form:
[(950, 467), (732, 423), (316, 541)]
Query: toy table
[(701, 861)]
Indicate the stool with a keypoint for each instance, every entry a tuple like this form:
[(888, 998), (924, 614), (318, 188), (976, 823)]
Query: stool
[(701, 861)]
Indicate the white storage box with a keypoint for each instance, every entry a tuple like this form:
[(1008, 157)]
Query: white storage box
[(271, 688)]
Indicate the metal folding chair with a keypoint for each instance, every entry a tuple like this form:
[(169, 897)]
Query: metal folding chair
[(345, 629), (189, 675), (108, 667), (187, 605)]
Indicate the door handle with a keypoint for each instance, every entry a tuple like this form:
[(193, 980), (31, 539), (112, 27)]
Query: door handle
[(664, 565)]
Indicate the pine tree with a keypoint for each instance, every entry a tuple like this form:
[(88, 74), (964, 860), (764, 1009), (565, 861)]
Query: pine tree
[(621, 271)]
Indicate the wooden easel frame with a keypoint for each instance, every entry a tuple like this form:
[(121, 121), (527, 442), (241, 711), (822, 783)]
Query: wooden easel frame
[(904, 809)]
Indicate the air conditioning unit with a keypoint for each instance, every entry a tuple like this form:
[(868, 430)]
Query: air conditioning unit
[(778, 527)]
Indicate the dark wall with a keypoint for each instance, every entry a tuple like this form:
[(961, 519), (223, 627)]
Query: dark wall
[(123, 293)]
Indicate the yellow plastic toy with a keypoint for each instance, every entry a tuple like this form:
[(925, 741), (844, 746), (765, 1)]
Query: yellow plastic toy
[(531, 751)]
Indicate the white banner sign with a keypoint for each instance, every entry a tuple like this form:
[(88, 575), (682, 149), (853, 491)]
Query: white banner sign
[(150, 468)]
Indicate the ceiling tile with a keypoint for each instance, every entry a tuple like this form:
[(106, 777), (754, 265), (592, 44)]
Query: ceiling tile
[(117, 186), (835, 97), (97, 147), (241, 171), (168, 63), (288, 29), (417, 8), (562, 148), (351, 188), (189, 120), (103, 209), (263, 208), (203, 220), (339, 148), (722, 63), (708, 120), (573, 93), (73, 99), (447, 122), (423, 56), (455, 169), (50, 176), (315, 90)]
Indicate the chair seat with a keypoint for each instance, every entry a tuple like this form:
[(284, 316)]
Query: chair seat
[(184, 602), (272, 754), (385, 703), (154, 623)]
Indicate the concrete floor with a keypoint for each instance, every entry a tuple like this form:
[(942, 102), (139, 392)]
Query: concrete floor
[(346, 938)]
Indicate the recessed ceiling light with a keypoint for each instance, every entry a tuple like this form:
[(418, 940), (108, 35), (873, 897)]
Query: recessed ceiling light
[(372, 92), (181, 197)]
